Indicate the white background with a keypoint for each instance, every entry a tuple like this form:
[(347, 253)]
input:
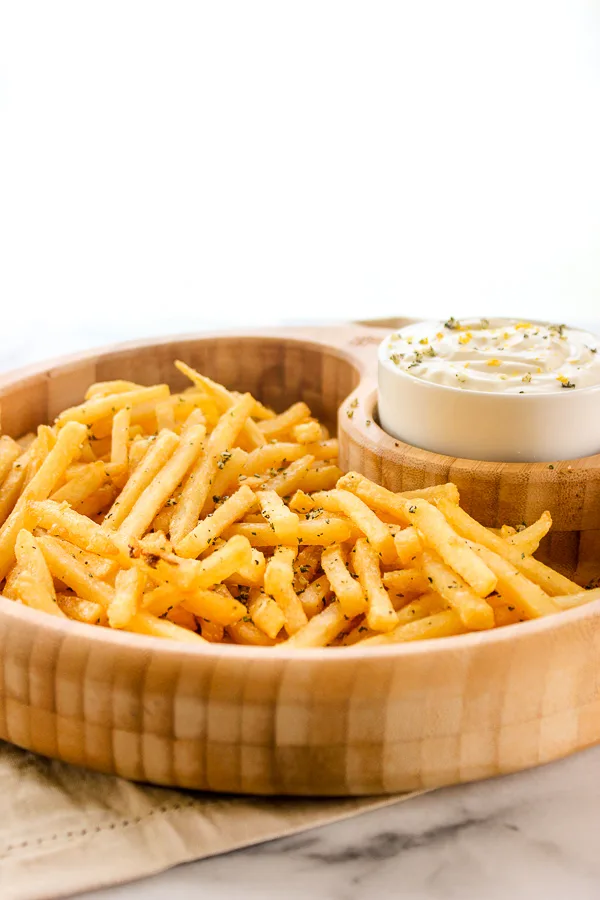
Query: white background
[(175, 165)]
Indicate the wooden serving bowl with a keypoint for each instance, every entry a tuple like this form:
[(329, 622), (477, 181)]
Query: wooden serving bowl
[(315, 722)]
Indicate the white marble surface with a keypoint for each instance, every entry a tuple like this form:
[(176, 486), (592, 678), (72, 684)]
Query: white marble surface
[(523, 836)]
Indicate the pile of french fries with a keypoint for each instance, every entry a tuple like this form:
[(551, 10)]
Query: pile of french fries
[(202, 516)]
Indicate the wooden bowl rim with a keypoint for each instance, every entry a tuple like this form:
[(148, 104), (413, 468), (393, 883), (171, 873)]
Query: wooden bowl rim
[(107, 636)]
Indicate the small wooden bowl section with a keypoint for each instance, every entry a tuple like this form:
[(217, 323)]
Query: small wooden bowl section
[(321, 722)]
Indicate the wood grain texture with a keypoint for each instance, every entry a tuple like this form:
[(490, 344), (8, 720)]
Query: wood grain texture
[(320, 722)]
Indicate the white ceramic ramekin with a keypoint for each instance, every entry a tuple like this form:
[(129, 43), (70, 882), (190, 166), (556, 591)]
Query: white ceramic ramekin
[(487, 425)]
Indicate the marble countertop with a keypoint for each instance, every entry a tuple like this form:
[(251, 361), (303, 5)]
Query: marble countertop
[(536, 832)]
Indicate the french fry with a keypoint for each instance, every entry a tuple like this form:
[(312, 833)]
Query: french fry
[(406, 581), (417, 609), (265, 613), (67, 448), (165, 415), (408, 545), (81, 610), (73, 572), (199, 482), (349, 592), (279, 578), (381, 615), (442, 624), (306, 566), (10, 585), (207, 530), (96, 566), (514, 587), (156, 457), (474, 612), (548, 579), (226, 479), (9, 453), (146, 623), (119, 447), (246, 632), (364, 518), (315, 531), (301, 502), (282, 424), (125, 602), (60, 520), (251, 575), (528, 540), (99, 502), (215, 607), (283, 521), (506, 531), (351, 480), (226, 401), (106, 388), (191, 574), (320, 630), (320, 478), (290, 479), (158, 492), (313, 597), (307, 432), (11, 487), (570, 601), (209, 630), (98, 407), (34, 586), (274, 456), (82, 485)]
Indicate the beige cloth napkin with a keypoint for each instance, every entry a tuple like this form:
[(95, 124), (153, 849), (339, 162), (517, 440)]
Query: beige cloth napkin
[(65, 830)]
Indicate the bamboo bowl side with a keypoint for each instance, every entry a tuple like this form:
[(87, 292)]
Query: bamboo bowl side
[(314, 723)]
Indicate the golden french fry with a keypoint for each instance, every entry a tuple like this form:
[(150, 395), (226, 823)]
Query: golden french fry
[(72, 572), (66, 449), (180, 616), (98, 407), (85, 482), (424, 606), (307, 432), (165, 415), (320, 478), (215, 607), (191, 574), (514, 587), (408, 545), (314, 531), (199, 482), (34, 585), (9, 454), (251, 575), (11, 487), (60, 520), (528, 540), (306, 566), (282, 520), (156, 457), (246, 632), (279, 579), (442, 624), (366, 521), (406, 581), (119, 447), (351, 480), (313, 597), (381, 615), (569, 601), (207, 530), (265, 613), (280, 425), (291, 478), (321, 629), (105, 388), (301, 502), (348, 591), (146, 623), (226, 480), (548, 579), (272, 457), (506, 531), (81, 610), (95, 566), (125, 602), (160, 489), (474, 612)]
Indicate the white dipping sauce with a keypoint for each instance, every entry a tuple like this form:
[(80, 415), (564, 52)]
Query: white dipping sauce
[(500, 355), (496, 389)]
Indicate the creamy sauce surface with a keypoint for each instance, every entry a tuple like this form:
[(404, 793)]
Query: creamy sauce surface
[(502, 355)]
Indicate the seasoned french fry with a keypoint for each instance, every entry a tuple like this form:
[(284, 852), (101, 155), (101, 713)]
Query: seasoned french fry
[(191, 574), (96, 566), (34, 585), (199, 482), (82, 485), (98, 502), (98, 407), (215, 607), (119, 448), (381, 615), (515, 587), (301, 502), (106, 388), (265, 613), (165, 415), (283, 521), (290, 479), (53, 468), (146, 623), (279, 578), (282, 424), (315, 531), (274, 456), (321, 629), (200, 538), (306, 566), (408, 545), (364, 518), (81, 610), (406, 581), (506, 531), (313, 597), (73, 572), (125, 602), (225, 481), (569, 601), (528, 540), (424, 606), (61, 521), (442, 624), (474, 612), (351, 480), (349, 592), (320, 478), (9, 453), (251, 575), (548, 579), (11, 487), (159, 452), (246, 632), (307, 432)]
